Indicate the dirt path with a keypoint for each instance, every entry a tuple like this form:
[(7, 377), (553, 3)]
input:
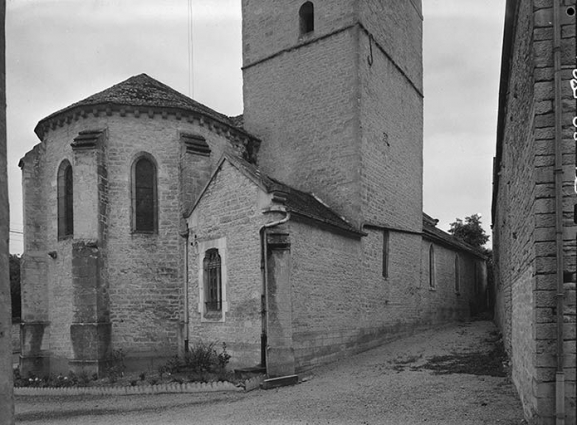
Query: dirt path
[(393, 384)]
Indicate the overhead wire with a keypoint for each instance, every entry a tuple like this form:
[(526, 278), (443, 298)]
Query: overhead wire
[(190, 51)]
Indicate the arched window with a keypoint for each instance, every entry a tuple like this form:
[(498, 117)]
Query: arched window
[(144, 197), (65, 200), (457, 275), (212, 280), (307, 18), (431, 266)]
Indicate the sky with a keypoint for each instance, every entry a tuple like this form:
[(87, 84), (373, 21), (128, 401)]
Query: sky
[(61, 51)]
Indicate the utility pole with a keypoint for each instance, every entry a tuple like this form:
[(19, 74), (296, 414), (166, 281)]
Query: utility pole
[(6, 385)]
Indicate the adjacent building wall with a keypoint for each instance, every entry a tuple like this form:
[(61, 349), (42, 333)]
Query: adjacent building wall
[(524, 205)]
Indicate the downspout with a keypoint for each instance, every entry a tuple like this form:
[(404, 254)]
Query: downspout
[(185, 235), (558, 173), (264, 274)]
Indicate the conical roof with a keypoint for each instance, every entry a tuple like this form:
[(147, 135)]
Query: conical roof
[(141, 91)]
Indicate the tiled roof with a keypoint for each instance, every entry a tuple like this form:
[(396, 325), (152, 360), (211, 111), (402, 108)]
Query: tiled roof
[(297, 202), (143, 91), (433, 232)]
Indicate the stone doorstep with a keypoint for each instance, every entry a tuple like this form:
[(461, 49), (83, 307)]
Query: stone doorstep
[(282, 381), (189, 387)]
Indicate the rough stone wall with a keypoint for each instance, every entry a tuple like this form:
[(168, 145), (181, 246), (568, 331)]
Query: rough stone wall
[(146, 270), (522, 329), (442, 303), (516, 221), (333, 144), (34, 258), (391, 305), (391, 122), (269, 27), (341, 303), (524, 222), (327, 294), (397, 27), (310, 136), (140, 275), (230, 209), (15, 337)]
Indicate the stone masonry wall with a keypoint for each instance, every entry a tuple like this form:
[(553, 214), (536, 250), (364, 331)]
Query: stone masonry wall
[(524, 223), (141, 274), (146, 270), (516, 221), (303, 106), (269, 27), (342, 304), (391, 122), (34, 258), (545, 334), (328, 294), (398, 28), (229, 209), (442, 303)]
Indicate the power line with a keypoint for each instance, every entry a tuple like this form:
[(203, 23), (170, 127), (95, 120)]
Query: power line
[(190, 52)]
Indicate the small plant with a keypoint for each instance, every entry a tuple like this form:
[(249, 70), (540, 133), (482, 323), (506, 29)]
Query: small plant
[(114, 366), (153, 381), (142, 376), (83, 378), (133, 382), (201, 363)]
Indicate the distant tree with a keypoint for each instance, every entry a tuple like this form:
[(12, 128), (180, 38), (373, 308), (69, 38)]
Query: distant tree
[(15, 285), (470, 231)]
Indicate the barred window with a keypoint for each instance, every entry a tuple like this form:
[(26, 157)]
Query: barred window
[(212, 280), (65, 197), (307, 18), (144, 198)]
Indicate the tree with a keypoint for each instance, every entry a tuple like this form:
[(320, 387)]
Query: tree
[(15, 286), (470, 231)]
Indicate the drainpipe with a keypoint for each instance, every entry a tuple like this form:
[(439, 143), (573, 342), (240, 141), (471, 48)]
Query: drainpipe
[(185, 235), (264, 274), (558, 173)]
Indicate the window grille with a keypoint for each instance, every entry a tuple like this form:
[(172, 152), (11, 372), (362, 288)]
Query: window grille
[(213, 282)]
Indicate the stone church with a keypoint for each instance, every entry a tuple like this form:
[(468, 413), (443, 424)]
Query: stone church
[(294, 233)]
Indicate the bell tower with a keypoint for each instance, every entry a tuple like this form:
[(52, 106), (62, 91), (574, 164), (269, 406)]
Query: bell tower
[(334, 89)]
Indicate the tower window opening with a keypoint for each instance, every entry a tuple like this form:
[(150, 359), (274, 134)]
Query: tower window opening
[(307, 18)]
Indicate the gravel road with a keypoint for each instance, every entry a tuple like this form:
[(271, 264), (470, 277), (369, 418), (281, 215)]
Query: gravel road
[(392, 384)]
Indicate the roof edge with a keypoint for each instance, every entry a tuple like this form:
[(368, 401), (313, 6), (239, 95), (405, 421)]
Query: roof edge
[(74, 113), (510, 28)]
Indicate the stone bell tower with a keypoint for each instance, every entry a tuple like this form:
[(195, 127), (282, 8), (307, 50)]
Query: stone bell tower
[(334, 89)]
